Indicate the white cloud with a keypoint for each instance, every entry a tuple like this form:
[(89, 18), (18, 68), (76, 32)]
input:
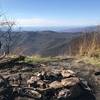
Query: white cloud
[(47, 22), (37, 22)]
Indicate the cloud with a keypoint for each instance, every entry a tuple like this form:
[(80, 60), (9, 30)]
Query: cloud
[(36, 22), (48, 22)]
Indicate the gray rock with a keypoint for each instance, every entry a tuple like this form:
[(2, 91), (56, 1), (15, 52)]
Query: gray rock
[(6, 90), (62, 85)]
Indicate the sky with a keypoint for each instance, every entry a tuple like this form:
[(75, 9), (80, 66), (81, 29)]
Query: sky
[(52, 12)]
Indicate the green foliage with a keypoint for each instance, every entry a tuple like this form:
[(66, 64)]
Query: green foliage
[(39, 59)]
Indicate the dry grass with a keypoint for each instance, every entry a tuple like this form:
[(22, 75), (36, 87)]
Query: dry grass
[(88, 47), (90, 60)]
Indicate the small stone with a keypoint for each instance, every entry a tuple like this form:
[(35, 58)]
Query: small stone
[(32, 81), (35, 94), (67, 73), (55, 85), (65, 93), (69, 82)]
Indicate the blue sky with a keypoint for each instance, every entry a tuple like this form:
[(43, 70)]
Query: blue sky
[(52, 12)]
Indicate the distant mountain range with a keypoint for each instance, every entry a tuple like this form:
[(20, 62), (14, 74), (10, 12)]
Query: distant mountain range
[(60, 28), (41, 42), (49, 43)]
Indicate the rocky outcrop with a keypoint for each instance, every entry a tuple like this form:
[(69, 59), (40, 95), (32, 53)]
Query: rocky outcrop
[(47, 85), (59, 85)]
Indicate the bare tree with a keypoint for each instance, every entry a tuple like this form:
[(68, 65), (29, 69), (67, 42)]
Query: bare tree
[(6, 35)]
